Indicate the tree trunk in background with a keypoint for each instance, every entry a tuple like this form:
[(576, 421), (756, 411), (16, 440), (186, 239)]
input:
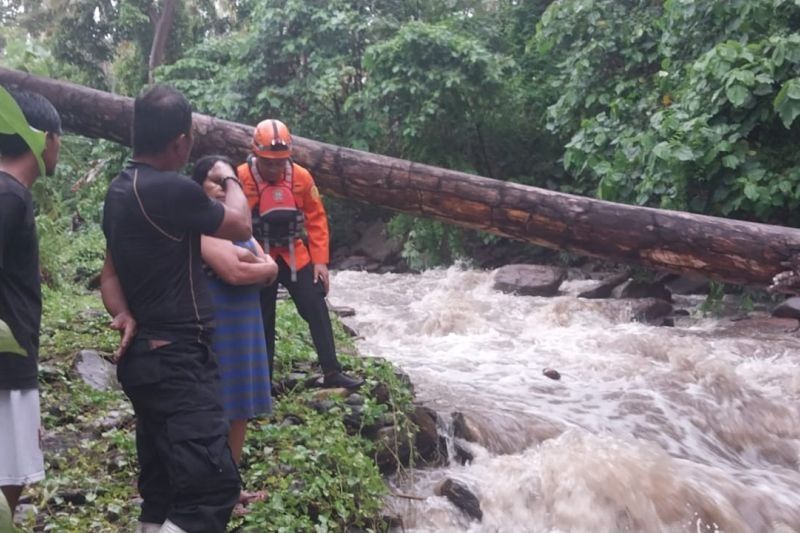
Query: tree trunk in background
[(163, 24), (728, 250)]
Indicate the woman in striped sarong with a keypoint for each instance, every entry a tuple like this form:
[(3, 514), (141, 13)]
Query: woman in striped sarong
[(237, 271)]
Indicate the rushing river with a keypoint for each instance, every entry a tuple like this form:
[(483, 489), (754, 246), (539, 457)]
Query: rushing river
[(692, 428)]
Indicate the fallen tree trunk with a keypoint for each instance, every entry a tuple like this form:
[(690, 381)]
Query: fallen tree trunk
[(728, 250)]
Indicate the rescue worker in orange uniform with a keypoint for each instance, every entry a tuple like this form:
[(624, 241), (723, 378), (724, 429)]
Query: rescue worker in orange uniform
[(284, 199)]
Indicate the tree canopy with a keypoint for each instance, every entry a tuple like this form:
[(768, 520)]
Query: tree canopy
[(681, 104)]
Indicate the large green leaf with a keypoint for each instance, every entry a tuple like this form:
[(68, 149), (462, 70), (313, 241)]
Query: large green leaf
[(6, 525), (12, 121), (737, 94), (683, 153), (8, 344), (787, 103)]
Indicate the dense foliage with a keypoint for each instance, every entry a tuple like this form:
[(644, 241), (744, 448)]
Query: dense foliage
[(681, 104), (685, 105)]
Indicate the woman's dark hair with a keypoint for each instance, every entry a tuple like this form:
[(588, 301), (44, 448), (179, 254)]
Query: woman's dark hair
[(160, 115), (39, 113), (203, 165)]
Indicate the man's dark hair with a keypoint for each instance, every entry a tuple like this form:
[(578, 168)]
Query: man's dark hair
[(160, 114), (204, 165), (39, 113)]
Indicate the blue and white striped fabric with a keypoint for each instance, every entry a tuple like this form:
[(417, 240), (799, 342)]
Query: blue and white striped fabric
[(240, 348)]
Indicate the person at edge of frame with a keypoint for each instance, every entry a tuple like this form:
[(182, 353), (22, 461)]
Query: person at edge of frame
[(154, 287), (22, 162)]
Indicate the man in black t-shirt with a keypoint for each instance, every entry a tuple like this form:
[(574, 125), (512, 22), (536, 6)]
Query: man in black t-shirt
[(38, 127), (153, 286)]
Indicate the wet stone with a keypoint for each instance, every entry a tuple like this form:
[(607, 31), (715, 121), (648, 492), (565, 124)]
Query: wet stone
[(323, 406), (642, 289), (529, 280), (552, 373), (462, 455), (464, 428), (313, 381), (351, 331), (602, 288), (430, 447), (375, 242), (650, 309), (96, 371), (460, 496), (689, 284), (293, 379), (788, 309), (390, 447), (291, 420), (342, 311), (393, 522), (329, 394), (352, 421), (381, 393), (354, 399)]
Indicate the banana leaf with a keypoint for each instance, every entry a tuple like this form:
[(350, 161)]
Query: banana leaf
[(6, 525), (8, 344), (12, 121)]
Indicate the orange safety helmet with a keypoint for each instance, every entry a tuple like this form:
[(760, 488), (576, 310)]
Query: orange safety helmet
[(272, 140)]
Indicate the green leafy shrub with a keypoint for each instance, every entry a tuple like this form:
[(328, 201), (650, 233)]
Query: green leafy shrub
[(685, 105)]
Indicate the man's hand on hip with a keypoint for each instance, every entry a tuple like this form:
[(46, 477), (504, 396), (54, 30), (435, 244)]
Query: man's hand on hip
[(126, 325)]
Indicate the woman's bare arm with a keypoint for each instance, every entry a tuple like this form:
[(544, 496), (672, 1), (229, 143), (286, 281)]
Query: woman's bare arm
[(235, 265)]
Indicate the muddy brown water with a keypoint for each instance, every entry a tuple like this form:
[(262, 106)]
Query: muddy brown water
[(692, 428)]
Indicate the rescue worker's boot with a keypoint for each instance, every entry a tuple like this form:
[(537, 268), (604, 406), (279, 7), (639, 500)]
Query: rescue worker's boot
[(340, 379)]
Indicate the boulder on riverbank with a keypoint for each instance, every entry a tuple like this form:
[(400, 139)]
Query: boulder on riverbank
[(687, 284), (790, 308), (430, 446), (97, 372), (529, 280), (460, 496), (650, 310), (603, 286), (372, 250), (642, 289), (392, 449), (464, 428)]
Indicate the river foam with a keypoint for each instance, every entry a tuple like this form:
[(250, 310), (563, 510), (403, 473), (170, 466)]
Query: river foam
[(692, 428)]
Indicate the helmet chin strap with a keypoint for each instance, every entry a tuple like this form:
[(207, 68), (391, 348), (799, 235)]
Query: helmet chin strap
[(287, 172), (251, 160)]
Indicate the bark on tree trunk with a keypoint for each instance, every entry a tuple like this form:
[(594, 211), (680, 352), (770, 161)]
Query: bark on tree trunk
[(163, 25), (728, 250)]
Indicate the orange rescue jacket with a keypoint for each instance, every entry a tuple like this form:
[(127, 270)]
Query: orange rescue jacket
[(306, 196)]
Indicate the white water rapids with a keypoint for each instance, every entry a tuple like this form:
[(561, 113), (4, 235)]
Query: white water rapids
[(692, 428)]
